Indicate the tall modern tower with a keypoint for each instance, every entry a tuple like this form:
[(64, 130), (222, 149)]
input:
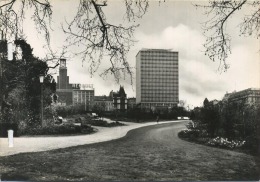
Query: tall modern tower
[(157, 78)]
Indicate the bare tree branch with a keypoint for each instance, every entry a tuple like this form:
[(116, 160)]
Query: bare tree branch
[(11, 18), (98, 40), (218, 42)]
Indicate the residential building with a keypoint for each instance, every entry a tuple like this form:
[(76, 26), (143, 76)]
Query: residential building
[(157, 78), (73, 93)]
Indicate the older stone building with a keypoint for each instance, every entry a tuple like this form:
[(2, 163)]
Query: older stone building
[(249, 96), (73, 93), (119, 99)]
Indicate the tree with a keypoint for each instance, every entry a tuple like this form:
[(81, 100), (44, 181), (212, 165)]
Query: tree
[(89, 29), (205, 102), (210, 117), (218, 41), (21, 85), (99, 109)]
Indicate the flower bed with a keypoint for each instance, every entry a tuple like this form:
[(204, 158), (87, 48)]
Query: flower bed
[(225, 143), (198, 137)]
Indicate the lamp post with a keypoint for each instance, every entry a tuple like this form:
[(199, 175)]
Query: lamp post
[(41, 77)]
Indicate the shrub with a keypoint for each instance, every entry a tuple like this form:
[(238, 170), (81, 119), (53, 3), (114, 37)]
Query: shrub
[(65, 111), (49, 112), (104, 123), (57, 129), (4, 127), (188, 133)]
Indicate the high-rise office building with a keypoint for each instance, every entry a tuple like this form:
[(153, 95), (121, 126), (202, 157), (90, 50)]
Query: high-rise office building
[(157, 78)]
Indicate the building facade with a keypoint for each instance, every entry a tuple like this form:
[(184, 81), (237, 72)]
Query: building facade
[(157, 78), (105, 101), (119, 99), (248, 96), (63, 88), (72, 93), (131, 103)]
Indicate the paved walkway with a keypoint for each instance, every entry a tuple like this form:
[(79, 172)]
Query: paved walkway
[(43, 143)]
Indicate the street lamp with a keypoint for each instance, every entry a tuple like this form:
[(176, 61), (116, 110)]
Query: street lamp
[(41, 77)]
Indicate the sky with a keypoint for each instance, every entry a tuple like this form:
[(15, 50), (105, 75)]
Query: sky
[(172, 25)]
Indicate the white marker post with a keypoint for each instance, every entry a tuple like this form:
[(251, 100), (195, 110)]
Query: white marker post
[(11, 138)]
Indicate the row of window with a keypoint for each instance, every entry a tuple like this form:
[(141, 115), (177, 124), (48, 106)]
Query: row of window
[(159, 94), (158, 104), (158, 79), (169, 54), (164, 83), (161, 65), (160, 100), (159, 69), (159, 76), (158, 61), (159, 87)]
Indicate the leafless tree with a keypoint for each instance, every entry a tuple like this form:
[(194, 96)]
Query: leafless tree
[(100, 39), (218, 41), (89, 30), (12, 15)]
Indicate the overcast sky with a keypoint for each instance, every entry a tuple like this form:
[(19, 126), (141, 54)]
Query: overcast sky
[(172, 25)]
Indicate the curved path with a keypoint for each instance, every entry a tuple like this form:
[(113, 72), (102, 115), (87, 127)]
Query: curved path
[(44, 143), (149, 153)]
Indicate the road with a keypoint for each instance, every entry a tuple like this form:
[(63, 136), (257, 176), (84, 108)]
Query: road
[(148, 153)]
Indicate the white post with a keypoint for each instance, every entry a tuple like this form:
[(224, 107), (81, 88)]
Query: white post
[(10, 138)]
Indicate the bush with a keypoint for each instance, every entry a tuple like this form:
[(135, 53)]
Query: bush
[(190, 134), (49, 112), (65, 111), (252, 144), (57, 129), (104, 123), (4, 127)]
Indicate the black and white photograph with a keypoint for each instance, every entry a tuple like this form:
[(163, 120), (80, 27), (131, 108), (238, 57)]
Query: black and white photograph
[(129, 90)]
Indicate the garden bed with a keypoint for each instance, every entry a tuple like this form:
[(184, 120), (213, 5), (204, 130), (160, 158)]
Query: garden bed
[(62, 129), (193, 134)]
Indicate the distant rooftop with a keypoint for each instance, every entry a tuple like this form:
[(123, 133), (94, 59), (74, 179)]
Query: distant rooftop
[(154, 50), (147, 49)]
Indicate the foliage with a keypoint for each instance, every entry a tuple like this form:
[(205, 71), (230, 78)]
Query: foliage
[(219, 13), (210, 117), (5, 126), (56, 130), (21, 86), (99, 109), (50, 112), (191, 134), (53, 129), (146, 114), (65, 111), (103, 123), (232, 121)]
